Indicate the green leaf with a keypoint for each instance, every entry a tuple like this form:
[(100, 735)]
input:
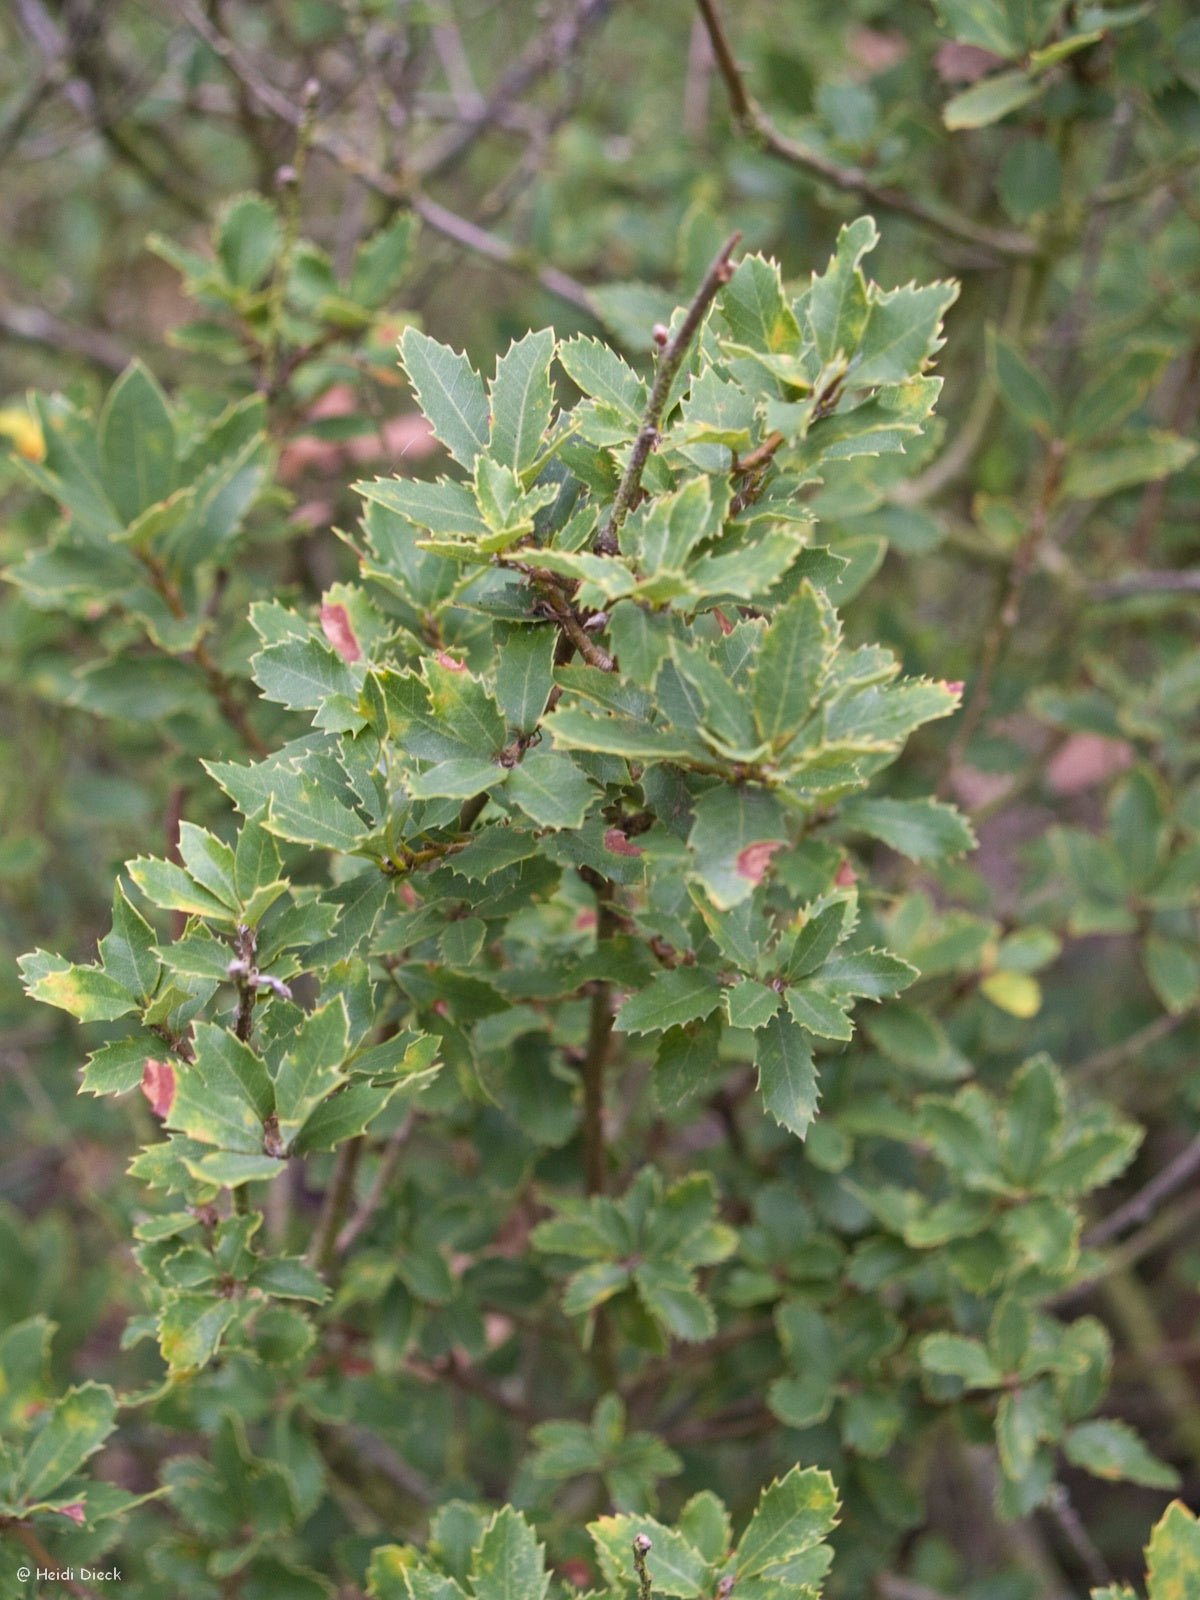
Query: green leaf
[(1173, 968), (1108, 1448), (525, 675), (224, 1096), (191, 1328), (669, 1295), (952, 1356), (302, 674), (872, 973), (248, 238), (670, 1000), (600, 373), (753, 305), (509, 1564), (1035, 1115), (990, 99), (676, 1569), (837, 303), (78, 1425), (793, 661), (1173, 1555), (749, 1004), (787, 1078), (1124, 463), (1024, 392), (137, 443), (902, 333), (343, 1115), (521, 400), (449, 392), (380, 261), (1030, 180), (922, 830), (794, 1514), (169, 887), (735, 833), (86, 992), (549, 787), (311, 1066)]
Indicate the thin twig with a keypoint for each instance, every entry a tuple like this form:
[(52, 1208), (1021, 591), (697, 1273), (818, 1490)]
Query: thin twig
[(385, 1172), (398, 191), (1095, 1066), (338, 1196), (34, 325), (757, 126), (449, 1369), (1136, 583), (1071, 1526), (608, 540), (1142, 1206), (22, 1532), (1008, 611), (551, 47)]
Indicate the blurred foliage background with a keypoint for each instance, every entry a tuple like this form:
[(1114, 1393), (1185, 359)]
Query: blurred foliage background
[(576, 162)]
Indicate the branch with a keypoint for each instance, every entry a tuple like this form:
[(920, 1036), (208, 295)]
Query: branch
[(399, 193), (599, 1040), (757, 126), (22, 1532), (450, 1369), (1142, 1206), (362, 1218), (1103, 1061), (1147, 582), (608, 540), (33, 325), (548, 50), (322, 1247)]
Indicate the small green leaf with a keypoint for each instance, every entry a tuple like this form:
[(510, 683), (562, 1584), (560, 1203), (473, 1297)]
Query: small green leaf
[(793, 1514), (1109, 1448), (137, 443), (521, 400), (792, 663), (449, 392), (990, 99), (923, 830), (787, 1078), (549, 787), (78, 1425), (248, 237), (509, 1564), (670, 1000)]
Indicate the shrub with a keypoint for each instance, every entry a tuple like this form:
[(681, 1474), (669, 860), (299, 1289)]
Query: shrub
[(584, 1099)]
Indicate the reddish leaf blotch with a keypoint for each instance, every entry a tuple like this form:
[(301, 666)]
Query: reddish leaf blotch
[(753, 861), (618, 844), (158, 1085), (335, 625)]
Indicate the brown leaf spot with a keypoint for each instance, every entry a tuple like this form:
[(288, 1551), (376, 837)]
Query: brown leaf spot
[(616, 843), (335, 625), (963, 63), (158, 1085), (875, 50), (1086, 759), (753, 861)]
